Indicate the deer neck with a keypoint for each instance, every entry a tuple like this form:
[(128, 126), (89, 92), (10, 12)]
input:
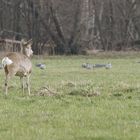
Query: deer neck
[(24, 52)]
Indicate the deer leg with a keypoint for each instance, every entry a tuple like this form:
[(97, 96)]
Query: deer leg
[(22, 84), (6, 85), (28, 84), (8, 76)]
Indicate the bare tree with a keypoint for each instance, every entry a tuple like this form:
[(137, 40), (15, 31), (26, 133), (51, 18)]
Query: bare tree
[(72, 25)]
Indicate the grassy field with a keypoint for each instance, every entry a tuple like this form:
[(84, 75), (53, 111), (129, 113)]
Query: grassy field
[(97, 104)]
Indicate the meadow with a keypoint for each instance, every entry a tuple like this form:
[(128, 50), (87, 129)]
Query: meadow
[(84, 104)]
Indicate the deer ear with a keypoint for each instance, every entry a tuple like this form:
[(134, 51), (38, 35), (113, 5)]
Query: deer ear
[(30, 41), (23, 42)]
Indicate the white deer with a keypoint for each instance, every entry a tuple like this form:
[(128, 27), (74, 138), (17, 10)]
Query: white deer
[(18, 64)]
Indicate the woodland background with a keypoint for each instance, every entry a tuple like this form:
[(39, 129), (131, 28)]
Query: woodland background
[(72, 26)]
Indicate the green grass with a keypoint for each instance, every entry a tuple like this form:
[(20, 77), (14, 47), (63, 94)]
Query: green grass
[(72, 114)]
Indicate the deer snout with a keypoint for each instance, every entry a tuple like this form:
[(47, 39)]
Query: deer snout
[(31, 53)]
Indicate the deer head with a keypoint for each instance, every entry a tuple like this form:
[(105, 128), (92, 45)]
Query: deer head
[(27, 47)]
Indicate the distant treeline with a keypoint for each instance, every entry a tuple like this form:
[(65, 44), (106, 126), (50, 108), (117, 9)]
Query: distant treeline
[(72, 26)]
